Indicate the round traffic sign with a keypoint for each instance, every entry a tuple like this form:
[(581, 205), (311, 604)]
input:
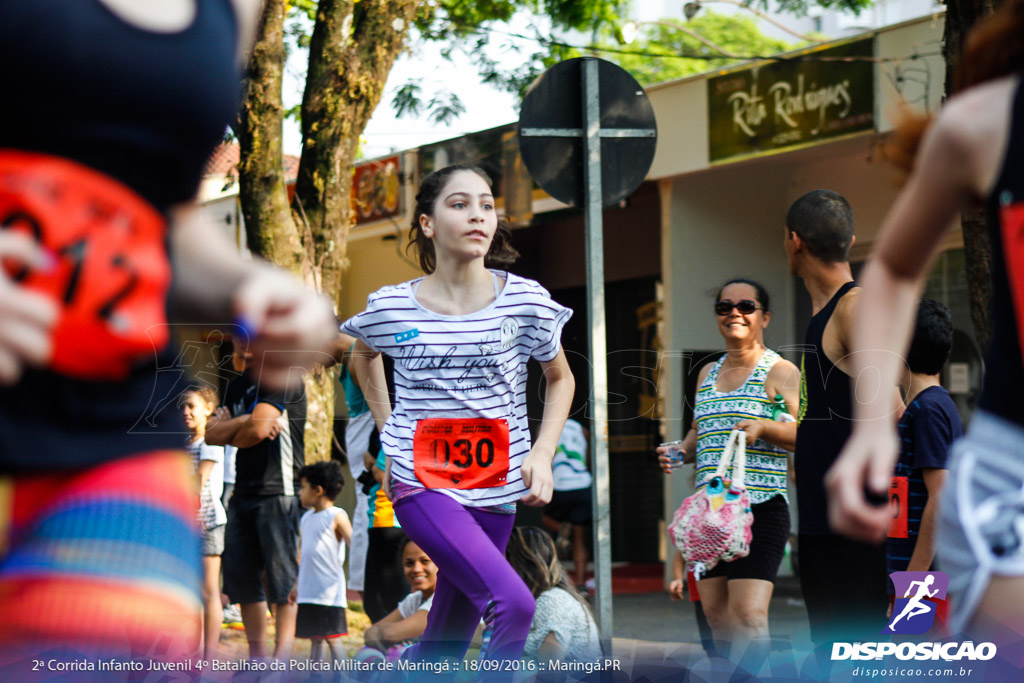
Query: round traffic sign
[(551, 131)]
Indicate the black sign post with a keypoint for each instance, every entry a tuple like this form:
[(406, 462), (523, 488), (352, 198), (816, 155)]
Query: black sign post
[(587, 135)]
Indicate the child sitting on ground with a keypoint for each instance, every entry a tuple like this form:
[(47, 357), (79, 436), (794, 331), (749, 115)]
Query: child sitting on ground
[(320, 589), (562, 626), (406, 623)]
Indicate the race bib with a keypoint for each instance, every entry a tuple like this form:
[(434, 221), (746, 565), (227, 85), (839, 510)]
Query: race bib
[(112, 272), (899, 490), (1011, 216), (461, 453)]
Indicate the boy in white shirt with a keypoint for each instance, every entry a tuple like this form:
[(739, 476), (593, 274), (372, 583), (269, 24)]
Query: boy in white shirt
[(320, 589)]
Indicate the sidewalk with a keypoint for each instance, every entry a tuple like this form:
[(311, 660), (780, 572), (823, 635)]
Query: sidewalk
[(655, 617), (657, 639)]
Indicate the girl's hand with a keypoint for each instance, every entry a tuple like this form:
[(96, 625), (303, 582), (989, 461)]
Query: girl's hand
[(292, 327), (753, 428), (865, 465), (26, 317), (537, 475), (675, 589), (293, 595)]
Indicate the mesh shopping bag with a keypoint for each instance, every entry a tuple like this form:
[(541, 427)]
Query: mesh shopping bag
[(713, 524)]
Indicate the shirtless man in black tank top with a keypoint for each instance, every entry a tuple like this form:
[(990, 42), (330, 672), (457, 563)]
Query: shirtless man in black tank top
[(843, 581)]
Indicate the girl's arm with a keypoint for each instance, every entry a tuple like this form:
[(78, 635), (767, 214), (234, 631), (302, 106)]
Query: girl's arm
[(367, 368), (203, 472), (550, 648), (946, 177), (395, 629), (340, 352), (558, 395), (292, 326), (343, 527)]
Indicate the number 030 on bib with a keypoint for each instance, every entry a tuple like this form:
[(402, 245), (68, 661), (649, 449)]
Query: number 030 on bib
[(461, 453)]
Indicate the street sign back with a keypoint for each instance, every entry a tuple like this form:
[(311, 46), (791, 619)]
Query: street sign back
[(551, 131)]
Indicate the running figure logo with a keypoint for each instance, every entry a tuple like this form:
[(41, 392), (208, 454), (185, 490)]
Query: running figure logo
[(914, 612)]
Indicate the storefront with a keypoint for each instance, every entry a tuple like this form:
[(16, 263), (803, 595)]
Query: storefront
[(757, 137)]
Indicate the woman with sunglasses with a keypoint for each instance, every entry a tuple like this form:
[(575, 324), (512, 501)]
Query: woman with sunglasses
[(738, 392)]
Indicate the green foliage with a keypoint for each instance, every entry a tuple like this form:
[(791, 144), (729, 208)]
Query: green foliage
[(445, 106), (800, 7), (477, 28), (737, 34), (407, 100)]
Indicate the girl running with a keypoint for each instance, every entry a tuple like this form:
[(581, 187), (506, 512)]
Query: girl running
[(457, 443)]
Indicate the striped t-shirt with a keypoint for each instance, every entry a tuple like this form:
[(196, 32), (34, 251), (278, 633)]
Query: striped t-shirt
[(461, 366), (716, 413)]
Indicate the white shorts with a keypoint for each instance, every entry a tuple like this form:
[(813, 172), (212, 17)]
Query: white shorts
[(981, 523)]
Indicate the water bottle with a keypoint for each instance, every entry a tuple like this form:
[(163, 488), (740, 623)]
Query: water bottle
[(675, 453), (779, 412)]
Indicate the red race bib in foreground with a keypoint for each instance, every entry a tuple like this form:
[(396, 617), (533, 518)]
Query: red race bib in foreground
[(461, 453), (1012, 218), (112, 272), (899, 491)]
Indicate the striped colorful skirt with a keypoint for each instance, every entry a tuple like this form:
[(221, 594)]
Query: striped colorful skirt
[(102, 561)]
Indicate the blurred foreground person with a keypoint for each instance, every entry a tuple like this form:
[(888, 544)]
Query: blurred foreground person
[(104, 132), (973, 151)]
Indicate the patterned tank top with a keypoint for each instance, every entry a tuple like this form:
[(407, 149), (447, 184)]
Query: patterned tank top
[(716, 413)]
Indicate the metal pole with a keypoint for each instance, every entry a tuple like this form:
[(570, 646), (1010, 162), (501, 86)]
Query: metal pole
[(598, 348)]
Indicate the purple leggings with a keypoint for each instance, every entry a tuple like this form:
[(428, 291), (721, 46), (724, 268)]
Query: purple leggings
[(468, 547)]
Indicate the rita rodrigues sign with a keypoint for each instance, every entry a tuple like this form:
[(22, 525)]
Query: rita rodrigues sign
[(377, 190), (814, 96)]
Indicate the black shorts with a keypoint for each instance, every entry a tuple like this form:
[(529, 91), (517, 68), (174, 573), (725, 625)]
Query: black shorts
[(262, 534), (320, 621), (770, 532), (844, 586), (570, 506)]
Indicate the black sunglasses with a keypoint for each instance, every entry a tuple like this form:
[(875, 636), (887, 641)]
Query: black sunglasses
[(744, 306)]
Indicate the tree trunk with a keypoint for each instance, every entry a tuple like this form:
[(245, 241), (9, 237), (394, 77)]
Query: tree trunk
[(961, 15), (270, 230), (352, 50)]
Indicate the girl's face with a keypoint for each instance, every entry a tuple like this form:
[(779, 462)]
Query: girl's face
[(737, 325), (464, 219), (420, 572), (196, 412)]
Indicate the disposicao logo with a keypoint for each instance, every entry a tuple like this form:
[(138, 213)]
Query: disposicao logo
[(915, 612)]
